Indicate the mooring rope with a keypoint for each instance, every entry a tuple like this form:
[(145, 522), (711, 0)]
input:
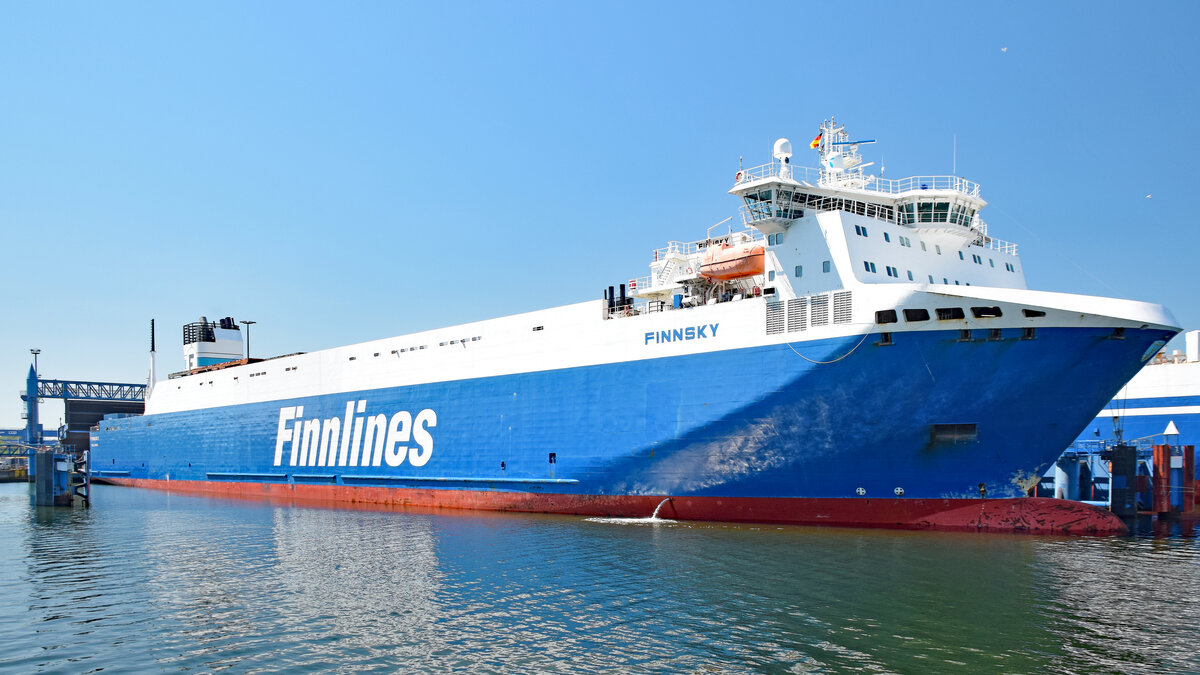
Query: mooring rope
[(825, 363)]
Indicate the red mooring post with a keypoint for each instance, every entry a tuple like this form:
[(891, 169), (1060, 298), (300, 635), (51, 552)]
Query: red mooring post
[(1189, 479), (1162, 479)]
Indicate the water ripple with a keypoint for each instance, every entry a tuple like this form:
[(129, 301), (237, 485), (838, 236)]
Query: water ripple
[(151, 581)]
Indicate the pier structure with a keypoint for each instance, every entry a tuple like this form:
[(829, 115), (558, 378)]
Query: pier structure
[(84, 404)]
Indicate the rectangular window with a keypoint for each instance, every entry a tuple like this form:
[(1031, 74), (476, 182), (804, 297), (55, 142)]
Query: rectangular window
[(938, 248), (1028, 334), (960, 256), (872, 268), (1033, 313), (996, 334), (887, 237), (992, 262), (931, 279), (825, 267), (986, 312), (950, 313), (799, 271), (941, 212), (885, 316), (916, 315), (885, 339), (866, 266), (771, 275), (910, 276), (923, 247), (964, 335)]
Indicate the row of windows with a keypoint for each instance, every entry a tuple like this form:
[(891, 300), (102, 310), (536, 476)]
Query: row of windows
[(935, 212), (822, 203), (799, 272), (905, 241), (775, 239), (870, 267), (477, 338), (949, 314), (967, 335)]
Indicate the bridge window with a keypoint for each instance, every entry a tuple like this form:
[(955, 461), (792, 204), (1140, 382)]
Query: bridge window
[(933, 212)]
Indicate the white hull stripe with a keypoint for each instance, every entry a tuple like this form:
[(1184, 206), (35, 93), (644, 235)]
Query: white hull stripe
[(1139, 412)]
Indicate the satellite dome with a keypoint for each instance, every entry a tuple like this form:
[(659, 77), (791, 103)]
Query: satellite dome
[(783, 149)]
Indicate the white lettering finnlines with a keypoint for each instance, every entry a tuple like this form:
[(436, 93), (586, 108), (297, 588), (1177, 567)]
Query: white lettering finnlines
[(356, 439)]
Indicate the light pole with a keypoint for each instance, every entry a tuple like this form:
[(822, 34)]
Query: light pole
[(247, 324), (35, 352)]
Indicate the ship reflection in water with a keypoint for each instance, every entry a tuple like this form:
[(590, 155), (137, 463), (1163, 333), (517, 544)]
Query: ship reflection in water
[(148, 580)]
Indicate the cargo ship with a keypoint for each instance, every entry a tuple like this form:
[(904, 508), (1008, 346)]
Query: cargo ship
[(856, 351)]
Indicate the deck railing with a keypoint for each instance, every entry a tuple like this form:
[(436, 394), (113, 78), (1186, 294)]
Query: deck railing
[(889, 186)]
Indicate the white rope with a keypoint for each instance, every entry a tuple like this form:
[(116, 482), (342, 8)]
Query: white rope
[(825, 363)]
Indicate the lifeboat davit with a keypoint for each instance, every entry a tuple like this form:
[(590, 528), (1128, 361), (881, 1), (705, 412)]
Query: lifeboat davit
[(732, 262)]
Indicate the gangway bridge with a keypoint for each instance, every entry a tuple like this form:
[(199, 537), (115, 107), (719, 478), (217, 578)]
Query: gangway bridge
[(84, 403)]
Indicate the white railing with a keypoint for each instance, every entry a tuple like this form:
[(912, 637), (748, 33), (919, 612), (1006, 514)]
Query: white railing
[(687, 248), (916, 183), (802, 174), (872, 183), (991, 242)]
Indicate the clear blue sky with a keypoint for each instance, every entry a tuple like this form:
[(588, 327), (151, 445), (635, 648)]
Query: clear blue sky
[(340, 172)]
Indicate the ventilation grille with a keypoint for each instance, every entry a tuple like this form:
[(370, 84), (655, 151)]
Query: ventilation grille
[(841, 307), (797, 314), (774, 318), (820, 310)]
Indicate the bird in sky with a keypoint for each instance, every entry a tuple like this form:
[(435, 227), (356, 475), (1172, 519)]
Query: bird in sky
[(1149, 196), (1004, 49)]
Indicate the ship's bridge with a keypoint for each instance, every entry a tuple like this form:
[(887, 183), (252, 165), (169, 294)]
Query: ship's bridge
[(776, 194)]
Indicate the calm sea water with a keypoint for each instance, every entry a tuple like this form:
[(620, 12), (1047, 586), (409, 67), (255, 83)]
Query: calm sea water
[(149, 581)]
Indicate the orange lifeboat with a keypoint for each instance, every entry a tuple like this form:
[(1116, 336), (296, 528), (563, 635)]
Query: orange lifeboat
[(732, 262)]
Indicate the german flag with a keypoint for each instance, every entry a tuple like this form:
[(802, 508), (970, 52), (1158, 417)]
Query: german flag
[(816, 141)]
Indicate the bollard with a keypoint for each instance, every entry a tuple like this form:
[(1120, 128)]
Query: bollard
[(1162, 480)]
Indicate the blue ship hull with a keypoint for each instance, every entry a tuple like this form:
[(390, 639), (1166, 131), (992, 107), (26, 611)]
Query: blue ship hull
[(761, 422)]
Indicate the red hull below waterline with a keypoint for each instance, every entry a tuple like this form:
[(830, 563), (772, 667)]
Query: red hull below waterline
[(1033, 515)]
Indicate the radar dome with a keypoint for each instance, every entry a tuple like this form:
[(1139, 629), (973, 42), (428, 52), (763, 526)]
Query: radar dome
[(783, 149)]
